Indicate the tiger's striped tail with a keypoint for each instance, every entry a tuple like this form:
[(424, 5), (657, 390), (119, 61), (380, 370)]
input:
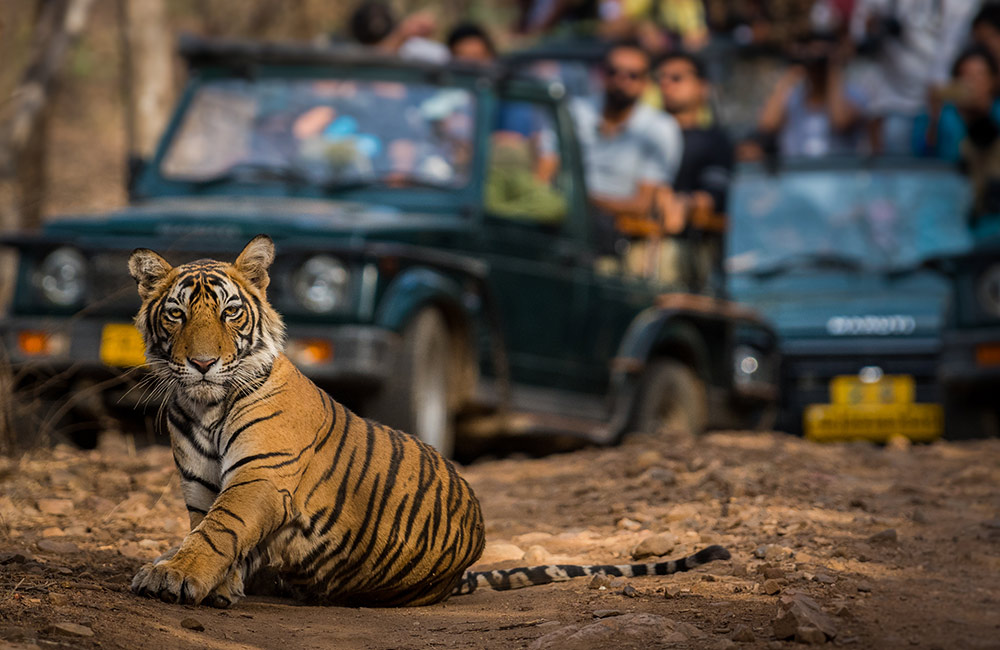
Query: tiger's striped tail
[(504, 579)]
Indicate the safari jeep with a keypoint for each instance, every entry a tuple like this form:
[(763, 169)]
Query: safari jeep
[(836, 252), (438, 266)]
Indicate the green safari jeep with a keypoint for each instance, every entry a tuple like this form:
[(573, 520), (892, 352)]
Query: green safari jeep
[(438, 263)]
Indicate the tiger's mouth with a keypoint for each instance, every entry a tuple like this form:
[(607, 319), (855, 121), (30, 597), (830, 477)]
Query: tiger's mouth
[(203, 388), (201, 381), (197, 385)]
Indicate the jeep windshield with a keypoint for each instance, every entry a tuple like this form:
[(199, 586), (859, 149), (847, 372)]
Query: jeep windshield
[(322, 134), (846, 215)]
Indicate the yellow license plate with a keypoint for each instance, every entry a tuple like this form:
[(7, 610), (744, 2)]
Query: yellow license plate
[(122, 346), (873, 410), (874, 422)]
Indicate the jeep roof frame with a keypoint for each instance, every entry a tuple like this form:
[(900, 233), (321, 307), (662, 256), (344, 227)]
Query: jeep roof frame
[(201, 52)]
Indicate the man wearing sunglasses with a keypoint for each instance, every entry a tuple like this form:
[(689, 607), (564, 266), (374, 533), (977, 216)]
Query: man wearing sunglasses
[(702, 183), (708, 152), (631, 150)]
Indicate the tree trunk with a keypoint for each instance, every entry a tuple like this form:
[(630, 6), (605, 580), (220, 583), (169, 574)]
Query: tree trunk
[(147, 75), (32, 179)]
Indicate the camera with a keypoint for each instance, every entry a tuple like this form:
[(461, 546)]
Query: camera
[(881, 30)]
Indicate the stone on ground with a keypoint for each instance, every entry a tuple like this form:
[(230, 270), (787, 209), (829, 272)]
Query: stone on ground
[(654, 545)]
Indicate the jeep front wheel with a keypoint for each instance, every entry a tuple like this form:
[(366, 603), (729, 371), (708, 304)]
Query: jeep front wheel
[(415, 396), (671, 398)]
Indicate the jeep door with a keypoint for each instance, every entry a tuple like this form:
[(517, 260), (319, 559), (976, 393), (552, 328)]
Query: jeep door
[(531, 240)]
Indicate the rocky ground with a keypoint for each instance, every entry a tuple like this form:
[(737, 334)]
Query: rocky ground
[(845, 545)]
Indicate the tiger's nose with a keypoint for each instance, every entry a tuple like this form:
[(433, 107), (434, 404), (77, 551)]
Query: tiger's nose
[(201, 363)]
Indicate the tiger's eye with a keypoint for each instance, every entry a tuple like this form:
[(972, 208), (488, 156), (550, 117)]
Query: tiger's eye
[(232, 311), (175, 313)]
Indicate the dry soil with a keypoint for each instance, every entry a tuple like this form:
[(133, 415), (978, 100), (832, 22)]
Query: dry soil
[(870, 548)]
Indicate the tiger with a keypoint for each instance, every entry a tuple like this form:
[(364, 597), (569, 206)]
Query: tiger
[(287, 491)]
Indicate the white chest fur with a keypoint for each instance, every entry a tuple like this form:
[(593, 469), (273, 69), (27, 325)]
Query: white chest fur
[(195, 432)]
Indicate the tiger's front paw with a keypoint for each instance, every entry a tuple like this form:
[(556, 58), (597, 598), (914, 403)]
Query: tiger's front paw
[(165, 581), (228, 592)]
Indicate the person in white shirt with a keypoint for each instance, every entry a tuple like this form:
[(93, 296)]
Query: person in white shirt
[(630, 149), (631, 155), (916, 42)]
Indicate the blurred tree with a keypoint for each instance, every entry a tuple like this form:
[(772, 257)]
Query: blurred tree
[(267, 19), (146, 72), (58, 25)]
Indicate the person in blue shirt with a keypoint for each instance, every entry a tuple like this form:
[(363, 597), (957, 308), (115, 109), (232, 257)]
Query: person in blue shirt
[(971, 97), (963, 126), (813, 110)]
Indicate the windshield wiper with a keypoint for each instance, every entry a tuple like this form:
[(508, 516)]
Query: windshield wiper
[(244, 172), (810, 260)]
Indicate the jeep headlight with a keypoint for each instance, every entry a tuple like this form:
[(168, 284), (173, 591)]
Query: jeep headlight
[(988, 291), (750, 367), (320, 285), (62, 277)]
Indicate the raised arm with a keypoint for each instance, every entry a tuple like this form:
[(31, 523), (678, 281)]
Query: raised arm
[(772, 117)]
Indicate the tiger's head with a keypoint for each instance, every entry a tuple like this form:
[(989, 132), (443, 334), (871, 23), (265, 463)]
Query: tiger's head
[(207, 325)]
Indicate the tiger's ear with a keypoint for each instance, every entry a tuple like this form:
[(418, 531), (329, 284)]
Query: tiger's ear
[(255, 259), (148, 269)]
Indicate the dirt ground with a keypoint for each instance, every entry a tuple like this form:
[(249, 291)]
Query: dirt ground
[(882, 547)]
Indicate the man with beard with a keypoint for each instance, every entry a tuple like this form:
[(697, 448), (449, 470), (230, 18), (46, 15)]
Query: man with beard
[(631, 150)]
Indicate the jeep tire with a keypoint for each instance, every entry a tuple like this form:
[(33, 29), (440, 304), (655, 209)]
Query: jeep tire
[(415, 397), (672, 398)]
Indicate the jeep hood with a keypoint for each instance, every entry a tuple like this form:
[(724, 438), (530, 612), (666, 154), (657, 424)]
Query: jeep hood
[(847, 305), (195, 219)]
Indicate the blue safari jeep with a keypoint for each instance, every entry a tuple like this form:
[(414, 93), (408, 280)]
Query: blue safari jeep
[(438, 264), (836, 252)]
